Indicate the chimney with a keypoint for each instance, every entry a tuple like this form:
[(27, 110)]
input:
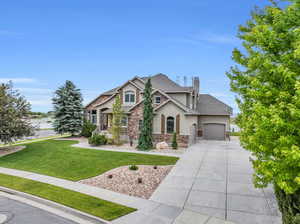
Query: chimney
[(196, 84)]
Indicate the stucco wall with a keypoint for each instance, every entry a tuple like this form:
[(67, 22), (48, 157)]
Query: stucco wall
[(181, 97), (130, 87), (215, 119), (170, 109)]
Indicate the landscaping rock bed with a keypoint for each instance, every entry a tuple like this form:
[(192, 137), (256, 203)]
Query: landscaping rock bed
[(10, 149), (140, 183)]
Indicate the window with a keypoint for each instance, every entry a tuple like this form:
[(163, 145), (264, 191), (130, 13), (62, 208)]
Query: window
[(129, 97), (170, 125), (124, 121), (157, 99), (94, 116), (140, 125)]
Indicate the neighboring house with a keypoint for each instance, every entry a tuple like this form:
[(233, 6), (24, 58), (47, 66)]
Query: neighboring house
[(177, 109)]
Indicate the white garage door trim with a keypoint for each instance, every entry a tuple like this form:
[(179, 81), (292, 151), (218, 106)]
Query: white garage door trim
[(214, 131)]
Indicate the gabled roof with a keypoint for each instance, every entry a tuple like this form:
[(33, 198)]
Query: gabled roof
[(169, 99), (209, 105), (162, 82)]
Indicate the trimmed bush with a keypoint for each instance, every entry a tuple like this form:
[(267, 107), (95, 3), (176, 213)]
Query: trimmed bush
[(174, 141), (97, 139), (87, 128), (133, 167)]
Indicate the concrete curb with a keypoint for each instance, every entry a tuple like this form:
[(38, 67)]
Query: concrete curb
[(52, 207)]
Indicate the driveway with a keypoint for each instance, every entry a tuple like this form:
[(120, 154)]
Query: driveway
[(14, 212), (215, 178)]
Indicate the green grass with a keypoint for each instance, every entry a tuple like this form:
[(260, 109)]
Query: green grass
[(94, 206), (34, 140), (59, 159)]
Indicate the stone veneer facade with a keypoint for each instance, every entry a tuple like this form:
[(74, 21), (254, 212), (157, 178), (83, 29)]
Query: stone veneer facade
[(133, 129), (183, 140)]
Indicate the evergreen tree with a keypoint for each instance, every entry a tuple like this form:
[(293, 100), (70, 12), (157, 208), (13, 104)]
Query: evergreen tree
[(145, 138), (174, 141), (268, 87), (14, 115), (68, 109), (118, 115)]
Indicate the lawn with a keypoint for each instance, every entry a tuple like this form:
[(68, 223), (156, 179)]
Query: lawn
[(94, 206), (60, 159)]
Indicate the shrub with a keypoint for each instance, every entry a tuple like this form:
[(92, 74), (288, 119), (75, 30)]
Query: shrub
[(110, 141), (87, 128), (97, 139), (133, 167), (155, 167), (174, 141)]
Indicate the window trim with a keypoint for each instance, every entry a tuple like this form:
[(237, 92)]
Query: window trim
[(124, 126), (167, 126), (157, 97), (131, 95)]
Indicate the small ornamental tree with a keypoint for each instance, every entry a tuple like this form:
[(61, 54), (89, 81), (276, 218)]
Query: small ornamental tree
[(145, 138), (118, 115), (14, 115), (174, 141), (68, 109), (267, 82)]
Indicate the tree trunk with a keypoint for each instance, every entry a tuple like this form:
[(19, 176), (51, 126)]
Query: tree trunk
[(289, 205)]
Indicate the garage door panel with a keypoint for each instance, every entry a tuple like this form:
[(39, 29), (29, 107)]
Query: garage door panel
[(214, 131)]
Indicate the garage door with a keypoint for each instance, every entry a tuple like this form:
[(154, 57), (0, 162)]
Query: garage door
[(214, 131)]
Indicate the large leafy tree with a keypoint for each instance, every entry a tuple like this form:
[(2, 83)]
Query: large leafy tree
[(118, 115), (267, 82), (14, 115), (145, 138), (68, 109)]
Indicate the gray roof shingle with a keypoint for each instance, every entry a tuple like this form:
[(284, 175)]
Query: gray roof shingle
[(162, 82), (209, 105)]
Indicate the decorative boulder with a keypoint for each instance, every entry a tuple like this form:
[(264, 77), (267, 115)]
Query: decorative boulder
[(162, 145)]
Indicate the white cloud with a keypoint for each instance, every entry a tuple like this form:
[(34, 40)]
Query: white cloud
[(18, 80), (40, 102), (216, 38), (209, 37), (26, 90), (9, 33)]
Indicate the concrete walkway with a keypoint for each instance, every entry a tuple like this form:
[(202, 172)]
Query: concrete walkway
[(215, 178), (149, 212), (88, 146), (209, 184)]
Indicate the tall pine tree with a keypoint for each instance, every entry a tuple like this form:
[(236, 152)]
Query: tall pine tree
[(68, 109), (145, 138)]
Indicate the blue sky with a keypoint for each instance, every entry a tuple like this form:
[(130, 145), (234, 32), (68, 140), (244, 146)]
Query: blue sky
[(101, 44)]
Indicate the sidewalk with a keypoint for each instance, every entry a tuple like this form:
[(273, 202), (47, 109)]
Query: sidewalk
[(149, 212)]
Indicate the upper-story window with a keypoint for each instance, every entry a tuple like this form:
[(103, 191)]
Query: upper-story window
[(157, 99), (129, 97)]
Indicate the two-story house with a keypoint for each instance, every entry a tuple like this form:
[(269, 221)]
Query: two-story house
[(177, 109)]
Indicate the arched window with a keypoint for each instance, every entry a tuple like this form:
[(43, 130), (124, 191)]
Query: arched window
[(170, 125), (129, 97)]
